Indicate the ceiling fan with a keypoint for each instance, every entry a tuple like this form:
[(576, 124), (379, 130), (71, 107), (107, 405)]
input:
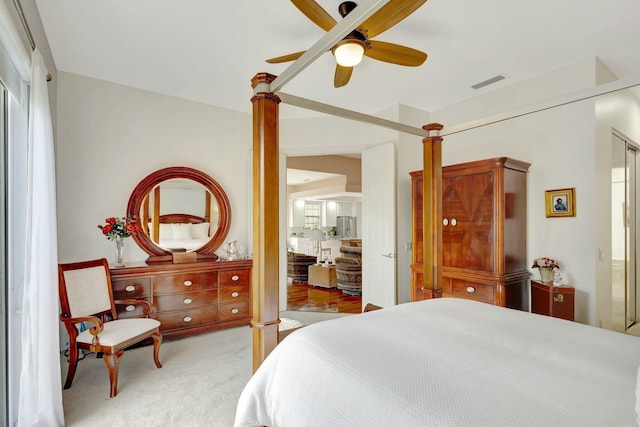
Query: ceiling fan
[(349, 51)]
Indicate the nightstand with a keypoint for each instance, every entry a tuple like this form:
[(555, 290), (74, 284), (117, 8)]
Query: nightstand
[(554, 301)]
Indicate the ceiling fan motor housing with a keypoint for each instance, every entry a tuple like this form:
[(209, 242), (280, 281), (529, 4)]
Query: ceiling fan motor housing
[(346, 7)]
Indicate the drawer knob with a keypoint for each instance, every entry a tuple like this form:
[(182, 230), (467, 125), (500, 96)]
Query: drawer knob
[(454, 222), (130, 288), (471, 289), (186, 319), (187, 301), (234, 294), (235, 277), (445, 222), (235, 311), (187, 283), (130, 308)]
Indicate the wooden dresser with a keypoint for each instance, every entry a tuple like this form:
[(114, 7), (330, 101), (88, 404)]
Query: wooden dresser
[(483, 232), (188, 298)]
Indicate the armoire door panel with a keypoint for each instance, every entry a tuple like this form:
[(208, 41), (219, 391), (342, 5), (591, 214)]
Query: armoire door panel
[(469, 210)]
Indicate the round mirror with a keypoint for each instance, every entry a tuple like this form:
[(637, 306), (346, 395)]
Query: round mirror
[(180, 210)]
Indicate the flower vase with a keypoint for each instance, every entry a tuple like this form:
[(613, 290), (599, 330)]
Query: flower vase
[(119, 241), (546, 274)]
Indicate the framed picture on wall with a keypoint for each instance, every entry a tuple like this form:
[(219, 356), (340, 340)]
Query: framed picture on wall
[(561, 202)]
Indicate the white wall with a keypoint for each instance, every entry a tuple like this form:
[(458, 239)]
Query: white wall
[(561, 146), (111, 136)]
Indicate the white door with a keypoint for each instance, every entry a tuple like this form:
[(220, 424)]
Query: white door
[(379, 226)]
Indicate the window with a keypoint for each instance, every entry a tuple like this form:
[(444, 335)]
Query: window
[(311, 215)]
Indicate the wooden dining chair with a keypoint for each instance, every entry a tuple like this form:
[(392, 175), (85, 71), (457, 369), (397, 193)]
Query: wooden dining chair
[(86, 296)]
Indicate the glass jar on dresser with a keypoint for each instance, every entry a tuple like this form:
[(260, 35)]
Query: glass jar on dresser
[(189, 298)]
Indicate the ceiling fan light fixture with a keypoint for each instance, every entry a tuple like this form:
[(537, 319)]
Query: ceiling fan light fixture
[(349, 53)]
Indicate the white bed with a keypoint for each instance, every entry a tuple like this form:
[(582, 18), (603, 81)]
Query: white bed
[(445, 362)]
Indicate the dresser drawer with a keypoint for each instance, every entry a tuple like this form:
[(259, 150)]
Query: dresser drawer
[(184, 282), (234, 310), (471, 290), (131, 288), (235, 277), (181, 319), (232, 294), (185, 300), (131, 310)]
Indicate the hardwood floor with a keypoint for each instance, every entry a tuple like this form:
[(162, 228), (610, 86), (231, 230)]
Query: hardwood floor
[(304, 297)]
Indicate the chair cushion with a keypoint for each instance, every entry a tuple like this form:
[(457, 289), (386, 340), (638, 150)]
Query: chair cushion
[(118, 331)]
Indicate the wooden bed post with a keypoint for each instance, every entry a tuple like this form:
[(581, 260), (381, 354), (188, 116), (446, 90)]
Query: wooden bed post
[(432, 211), (265, 277)]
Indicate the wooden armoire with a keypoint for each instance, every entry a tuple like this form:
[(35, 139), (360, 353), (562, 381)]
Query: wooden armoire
[(483, 232)]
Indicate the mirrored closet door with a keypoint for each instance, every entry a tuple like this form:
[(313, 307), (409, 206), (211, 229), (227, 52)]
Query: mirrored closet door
[(624, 233)]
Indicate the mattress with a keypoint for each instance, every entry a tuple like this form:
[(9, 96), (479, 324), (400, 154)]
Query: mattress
[(445, 362)]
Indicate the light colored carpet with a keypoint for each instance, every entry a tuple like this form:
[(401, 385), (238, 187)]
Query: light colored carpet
[(199, 384)]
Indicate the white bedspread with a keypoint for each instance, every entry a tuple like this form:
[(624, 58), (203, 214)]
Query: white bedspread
[(445, 362)]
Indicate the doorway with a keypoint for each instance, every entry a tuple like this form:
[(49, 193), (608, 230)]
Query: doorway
[(624, 234), (322, 191)]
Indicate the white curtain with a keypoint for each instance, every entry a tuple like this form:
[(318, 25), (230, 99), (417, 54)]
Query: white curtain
[(40, 401)]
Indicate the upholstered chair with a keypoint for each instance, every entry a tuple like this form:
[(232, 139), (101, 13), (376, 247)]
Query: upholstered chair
[(349, 275), (298, 266), (86, 296)]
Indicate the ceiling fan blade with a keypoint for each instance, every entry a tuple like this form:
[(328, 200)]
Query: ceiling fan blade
[(316, 13), (389, 15), (286, 58), (342, 75), (395, 53)]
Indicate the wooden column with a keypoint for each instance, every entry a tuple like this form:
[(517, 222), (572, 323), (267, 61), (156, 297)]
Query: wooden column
[(265, 278), (156, 215), (432, 211)]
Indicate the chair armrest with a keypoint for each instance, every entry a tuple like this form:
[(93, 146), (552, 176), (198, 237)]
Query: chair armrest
[(95, 330), (147, 310), (92, 319)]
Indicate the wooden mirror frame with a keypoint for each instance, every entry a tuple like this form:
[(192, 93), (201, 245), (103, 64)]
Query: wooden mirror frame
[(156, 253)]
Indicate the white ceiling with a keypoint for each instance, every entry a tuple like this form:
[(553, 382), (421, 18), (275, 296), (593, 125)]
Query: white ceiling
[(208, 51)]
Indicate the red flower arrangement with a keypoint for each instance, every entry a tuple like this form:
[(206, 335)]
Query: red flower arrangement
[(119, 227)]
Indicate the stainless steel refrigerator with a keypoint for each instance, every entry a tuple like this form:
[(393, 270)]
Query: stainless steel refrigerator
[(346, 226)]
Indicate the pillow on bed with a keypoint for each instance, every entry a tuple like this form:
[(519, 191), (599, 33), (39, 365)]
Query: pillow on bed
[(166, 233), (181, 231), (200, 231)]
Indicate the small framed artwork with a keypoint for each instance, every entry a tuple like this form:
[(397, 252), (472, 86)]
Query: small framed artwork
[(560, 202)]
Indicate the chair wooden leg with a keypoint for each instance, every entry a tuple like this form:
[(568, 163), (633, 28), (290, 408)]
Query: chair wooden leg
[(113, 363), (73, 364), (157, 340)]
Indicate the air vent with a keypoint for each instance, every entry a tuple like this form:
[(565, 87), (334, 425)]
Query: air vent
[(488, 82)]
